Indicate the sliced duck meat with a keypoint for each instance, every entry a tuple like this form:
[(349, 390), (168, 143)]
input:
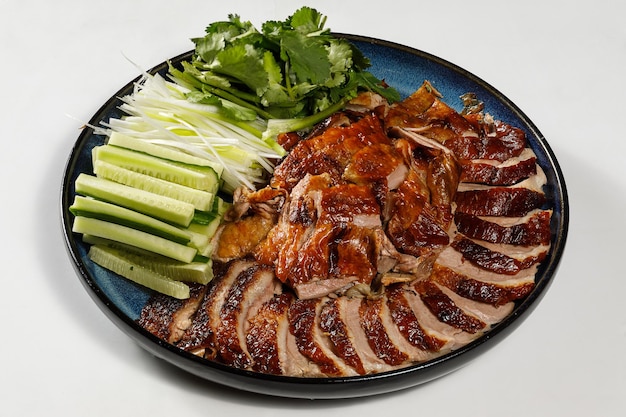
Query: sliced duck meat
[(534, 182), (349, 204), (376, 163), (295, 225), (311, 340), (485, 312), (532, 229), (414, 227), (250, 289), (445, 309), (340, 319), (509, 172), (376, 330), (266, 338), (432, 325), (409, 326), (167, 318), (329, 152), (485, 292), (338, 331), (499, 201), (494, 260), (451, 258), (199, 338), (495, 140)]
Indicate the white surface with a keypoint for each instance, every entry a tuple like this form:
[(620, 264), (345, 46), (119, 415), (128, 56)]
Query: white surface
[(561, 62)]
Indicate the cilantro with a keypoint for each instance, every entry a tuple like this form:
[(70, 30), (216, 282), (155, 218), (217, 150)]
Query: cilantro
[(291, 69)]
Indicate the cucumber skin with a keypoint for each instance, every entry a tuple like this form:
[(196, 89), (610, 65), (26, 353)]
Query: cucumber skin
[(133, 237), (201, 200), (199, 271), (201, 178), (111, 260), (163, 208), (102, 210)]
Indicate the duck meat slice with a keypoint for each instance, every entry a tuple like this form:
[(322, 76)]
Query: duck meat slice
[(408, 324), (250, 289), (532, 229), (376, 330), (413, 227), (426, 112), (333, 259), (377, 163), (199, 338), (451, 258), (451, 336), (266, 338), (339, 331), (167, 317), (499, 201), (295, 225), (485, 292), (494, 260), (495, 140), (311, 341), (445, 309), (534, 182), (509, 172), (487, 313), (349, 204), (329, 152)]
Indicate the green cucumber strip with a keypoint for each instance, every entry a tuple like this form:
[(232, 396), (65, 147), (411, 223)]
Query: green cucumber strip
[(140, 145), (134, 237), (110, 259), (200, 272), (201, 200), (89, 207), (163, 208), (201, 178), (208, 229)]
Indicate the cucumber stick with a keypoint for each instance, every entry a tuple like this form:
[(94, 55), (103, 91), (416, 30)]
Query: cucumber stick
[(140, 145), (133, 237), (163, 208), (201, 200), (198, 272), (89, 207), (201, 178), (114, 260)]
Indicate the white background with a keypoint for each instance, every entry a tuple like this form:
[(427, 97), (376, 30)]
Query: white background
[(563, 63)]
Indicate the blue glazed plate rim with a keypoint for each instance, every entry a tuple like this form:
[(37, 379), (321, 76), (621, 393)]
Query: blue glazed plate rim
[(121, 305)]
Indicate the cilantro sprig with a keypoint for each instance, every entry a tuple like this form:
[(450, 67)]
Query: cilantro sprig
[(292, 72)]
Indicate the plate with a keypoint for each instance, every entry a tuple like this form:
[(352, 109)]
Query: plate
[(405, 69)]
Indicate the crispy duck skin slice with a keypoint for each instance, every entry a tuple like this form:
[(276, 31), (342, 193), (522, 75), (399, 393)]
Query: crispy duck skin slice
[(252, 287), (199, 338), (265, 337), (408, 324), (484, 292), (492, 260), (444, 308), (378, 338), (499, 201), (534, 231), (167, 317), (304, 325)]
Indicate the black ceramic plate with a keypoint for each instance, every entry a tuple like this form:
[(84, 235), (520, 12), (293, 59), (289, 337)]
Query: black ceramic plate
[(405, 69)]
